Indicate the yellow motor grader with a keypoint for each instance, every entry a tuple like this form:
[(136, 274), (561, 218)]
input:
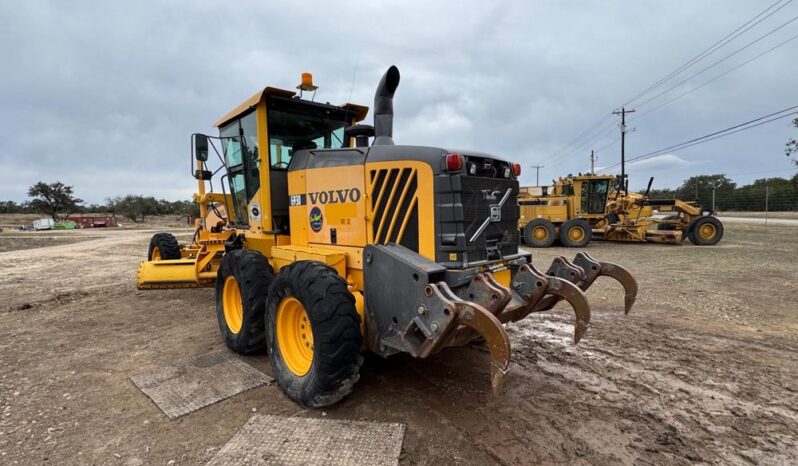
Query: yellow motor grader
[(577, 209), (328, 239)]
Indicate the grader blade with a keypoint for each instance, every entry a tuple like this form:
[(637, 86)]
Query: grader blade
[(594, 269), (178, 273)]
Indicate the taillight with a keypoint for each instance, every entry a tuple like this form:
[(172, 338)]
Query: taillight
[(454, 162), (517, 169)]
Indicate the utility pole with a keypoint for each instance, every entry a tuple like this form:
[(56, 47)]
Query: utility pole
[(713, 199), (622, 112), (593, 159), (537, 174), (767, 195)]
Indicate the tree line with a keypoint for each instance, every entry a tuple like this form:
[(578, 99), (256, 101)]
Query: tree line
[(58, 200), (775, 194), (716, 192)]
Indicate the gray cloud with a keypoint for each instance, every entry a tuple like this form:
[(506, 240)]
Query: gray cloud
[(104, 95)]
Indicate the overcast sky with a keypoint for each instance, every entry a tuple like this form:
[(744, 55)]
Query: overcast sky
[(104, 95)]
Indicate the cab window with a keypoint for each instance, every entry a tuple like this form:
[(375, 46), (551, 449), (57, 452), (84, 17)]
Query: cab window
[(297, 125), (598, 196)]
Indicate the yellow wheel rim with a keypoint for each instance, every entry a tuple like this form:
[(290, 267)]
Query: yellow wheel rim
[(294, 336), (707, 231), (156, 254), (231, 304), (540, 233), (576, 234)]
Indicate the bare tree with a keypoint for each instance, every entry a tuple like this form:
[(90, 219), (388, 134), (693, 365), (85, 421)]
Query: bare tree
[(52, 198)]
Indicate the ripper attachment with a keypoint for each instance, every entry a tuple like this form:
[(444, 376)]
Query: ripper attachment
[(429, 307)]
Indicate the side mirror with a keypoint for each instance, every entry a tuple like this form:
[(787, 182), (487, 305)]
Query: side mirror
[(201, 147)]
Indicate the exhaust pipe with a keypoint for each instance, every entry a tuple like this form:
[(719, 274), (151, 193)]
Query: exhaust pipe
[(383, 107)]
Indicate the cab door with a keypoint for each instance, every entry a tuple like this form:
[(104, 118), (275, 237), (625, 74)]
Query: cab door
[(240, 147), (597, 202)]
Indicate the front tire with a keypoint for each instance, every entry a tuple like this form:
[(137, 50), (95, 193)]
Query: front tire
[(163, 246), (313, 334), (242, 286)]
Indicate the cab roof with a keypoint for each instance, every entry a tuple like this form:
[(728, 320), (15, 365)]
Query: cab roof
[(360, 111)]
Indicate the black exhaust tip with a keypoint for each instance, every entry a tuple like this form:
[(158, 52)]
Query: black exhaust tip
[(383, 107)]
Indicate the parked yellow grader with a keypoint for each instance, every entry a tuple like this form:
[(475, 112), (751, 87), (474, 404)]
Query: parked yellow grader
[(322, 245), (580, 208)]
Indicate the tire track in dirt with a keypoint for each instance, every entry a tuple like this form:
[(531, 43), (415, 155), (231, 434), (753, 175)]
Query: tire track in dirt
[(58, 274), (611, 402)]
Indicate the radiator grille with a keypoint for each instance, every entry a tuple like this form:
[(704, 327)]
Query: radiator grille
[(499, 238), (394, 206)]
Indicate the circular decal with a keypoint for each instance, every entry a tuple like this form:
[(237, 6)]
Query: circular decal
[(254, 211), (316, 219)]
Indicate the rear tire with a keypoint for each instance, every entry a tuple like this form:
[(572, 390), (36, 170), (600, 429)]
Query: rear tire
[(163, 246), (319, 365), (705, 231), (539, 233), (575, 233), (242, 286)]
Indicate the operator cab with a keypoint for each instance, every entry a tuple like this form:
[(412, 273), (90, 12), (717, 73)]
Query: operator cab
[(292, 124), (594, 195)]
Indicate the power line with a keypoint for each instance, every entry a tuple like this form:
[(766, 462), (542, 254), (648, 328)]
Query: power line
[(578, 149), (716, 134), (686, 145), (585, 138), (609, 145), (601, 132), (711, 49), (715, 78), (716, 63), (581, 135)]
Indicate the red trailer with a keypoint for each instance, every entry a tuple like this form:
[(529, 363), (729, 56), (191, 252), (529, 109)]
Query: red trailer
[(92, 221)]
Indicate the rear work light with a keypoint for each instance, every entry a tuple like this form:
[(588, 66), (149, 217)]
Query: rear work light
[(517, 169), (454, 162)]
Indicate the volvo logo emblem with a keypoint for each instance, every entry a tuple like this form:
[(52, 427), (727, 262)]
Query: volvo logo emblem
[(495, 213)]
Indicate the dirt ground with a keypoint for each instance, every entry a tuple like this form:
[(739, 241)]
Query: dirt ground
[(704, 369)]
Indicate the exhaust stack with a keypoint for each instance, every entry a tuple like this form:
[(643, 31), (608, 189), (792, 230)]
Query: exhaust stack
[(383, 107)]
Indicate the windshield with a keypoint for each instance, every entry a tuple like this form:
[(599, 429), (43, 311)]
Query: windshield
[(297, 125)]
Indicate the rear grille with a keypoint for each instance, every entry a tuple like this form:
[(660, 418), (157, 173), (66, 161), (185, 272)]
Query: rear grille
[(499, 238), (394, 206)]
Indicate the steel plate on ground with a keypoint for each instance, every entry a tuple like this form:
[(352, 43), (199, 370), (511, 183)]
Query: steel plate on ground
[(267, 440), (198, 382)]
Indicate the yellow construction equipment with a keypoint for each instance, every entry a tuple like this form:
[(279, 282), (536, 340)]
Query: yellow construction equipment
[(322, 245), (577, 209)]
